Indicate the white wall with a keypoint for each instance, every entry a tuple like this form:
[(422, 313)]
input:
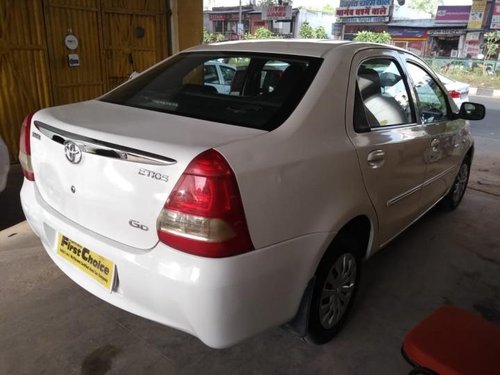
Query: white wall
[(315, 19)]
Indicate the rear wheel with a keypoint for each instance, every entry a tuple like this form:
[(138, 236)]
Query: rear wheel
[(337, 279), (457, 191)]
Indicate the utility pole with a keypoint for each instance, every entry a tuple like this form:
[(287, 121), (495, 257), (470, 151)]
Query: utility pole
[(240, 26)]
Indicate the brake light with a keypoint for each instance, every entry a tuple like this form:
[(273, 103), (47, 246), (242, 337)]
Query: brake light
[(25, 148), (455, 94), (204, 214)]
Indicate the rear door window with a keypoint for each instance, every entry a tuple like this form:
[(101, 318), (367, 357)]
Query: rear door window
[(384, 94), (252, 90)]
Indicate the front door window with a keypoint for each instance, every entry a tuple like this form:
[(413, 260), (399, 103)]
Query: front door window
[(432, 104)]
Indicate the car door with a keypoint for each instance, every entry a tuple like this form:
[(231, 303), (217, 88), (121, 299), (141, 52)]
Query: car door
[(444, 147), (226, 77), (212, 76), (390, 143)]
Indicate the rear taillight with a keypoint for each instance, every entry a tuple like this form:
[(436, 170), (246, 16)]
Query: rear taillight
[(204, 213), (454, 94), (25, 148)]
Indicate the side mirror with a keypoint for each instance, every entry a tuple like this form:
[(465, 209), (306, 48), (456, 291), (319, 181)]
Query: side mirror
[(472, 111)]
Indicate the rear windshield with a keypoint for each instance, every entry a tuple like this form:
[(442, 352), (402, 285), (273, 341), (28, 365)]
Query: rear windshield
[(252, 90)]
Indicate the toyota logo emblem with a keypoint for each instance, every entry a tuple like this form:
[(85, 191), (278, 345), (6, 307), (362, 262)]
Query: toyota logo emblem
[(73, 152)]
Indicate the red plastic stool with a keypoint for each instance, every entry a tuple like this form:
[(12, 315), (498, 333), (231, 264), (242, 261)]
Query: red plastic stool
[(452, 341)]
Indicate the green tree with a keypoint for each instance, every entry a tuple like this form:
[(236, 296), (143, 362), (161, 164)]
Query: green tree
[(427, 6), (328, 8), (372, 37), (490, 41), (209, 37), (306, 31), (320, 33), (261, 33)]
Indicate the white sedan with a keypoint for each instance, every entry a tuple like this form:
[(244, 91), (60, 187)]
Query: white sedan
[(224, 215), (459, 91)]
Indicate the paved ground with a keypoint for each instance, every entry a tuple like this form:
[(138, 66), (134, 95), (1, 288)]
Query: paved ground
[(485, 174), (49, 325)]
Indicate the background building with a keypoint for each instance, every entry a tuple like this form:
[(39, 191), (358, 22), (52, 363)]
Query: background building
[(224, 20)]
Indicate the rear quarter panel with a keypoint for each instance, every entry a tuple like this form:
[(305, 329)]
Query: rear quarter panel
[(303, 178)]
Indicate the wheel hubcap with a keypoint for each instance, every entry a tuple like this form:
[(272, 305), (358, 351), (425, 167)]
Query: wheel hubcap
[(460, 183), (337, 290)]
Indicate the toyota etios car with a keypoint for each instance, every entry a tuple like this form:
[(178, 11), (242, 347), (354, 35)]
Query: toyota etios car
[(223, 215)]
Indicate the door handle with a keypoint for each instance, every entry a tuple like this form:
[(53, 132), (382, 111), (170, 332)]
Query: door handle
[(376, 158), (435, 144)]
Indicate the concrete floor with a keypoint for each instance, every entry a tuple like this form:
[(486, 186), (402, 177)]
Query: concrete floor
[(49, 325)]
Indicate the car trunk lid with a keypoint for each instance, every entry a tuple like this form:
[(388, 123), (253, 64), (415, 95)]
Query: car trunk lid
[(110, 168)]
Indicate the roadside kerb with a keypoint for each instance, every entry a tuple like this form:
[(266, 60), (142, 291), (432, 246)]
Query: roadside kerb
[(484, 91)]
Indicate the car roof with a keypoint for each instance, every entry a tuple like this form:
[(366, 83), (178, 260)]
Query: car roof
[(303, 47)]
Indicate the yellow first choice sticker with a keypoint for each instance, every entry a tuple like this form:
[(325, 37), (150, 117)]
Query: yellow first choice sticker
[(96, 266)]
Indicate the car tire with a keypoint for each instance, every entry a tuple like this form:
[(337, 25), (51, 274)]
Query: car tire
[(337, 279), (457, 191)]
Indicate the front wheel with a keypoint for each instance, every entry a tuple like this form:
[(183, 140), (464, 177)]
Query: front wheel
[(337, 280), (457, 191)]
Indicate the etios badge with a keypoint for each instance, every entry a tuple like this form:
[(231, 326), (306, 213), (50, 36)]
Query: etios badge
[(73, 152)]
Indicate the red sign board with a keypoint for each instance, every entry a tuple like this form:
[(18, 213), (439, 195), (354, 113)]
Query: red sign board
[(453, 13), (277, 12), (225, 17), (216, 17)]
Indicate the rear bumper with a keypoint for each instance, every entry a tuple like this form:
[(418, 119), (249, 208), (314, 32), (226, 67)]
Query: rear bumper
[(220, 301)]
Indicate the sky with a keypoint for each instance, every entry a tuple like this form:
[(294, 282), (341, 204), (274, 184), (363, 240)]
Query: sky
[(310, 3)]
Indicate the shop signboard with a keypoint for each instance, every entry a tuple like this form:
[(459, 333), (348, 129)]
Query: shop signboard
[(365, 20), (367, 10), (495, 17), (446, 32), (216, 17), (453, 14), (472, 48), (406, 32), (477, 14), (354, 29), (226, 16), (277, 12), (472, 36)]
